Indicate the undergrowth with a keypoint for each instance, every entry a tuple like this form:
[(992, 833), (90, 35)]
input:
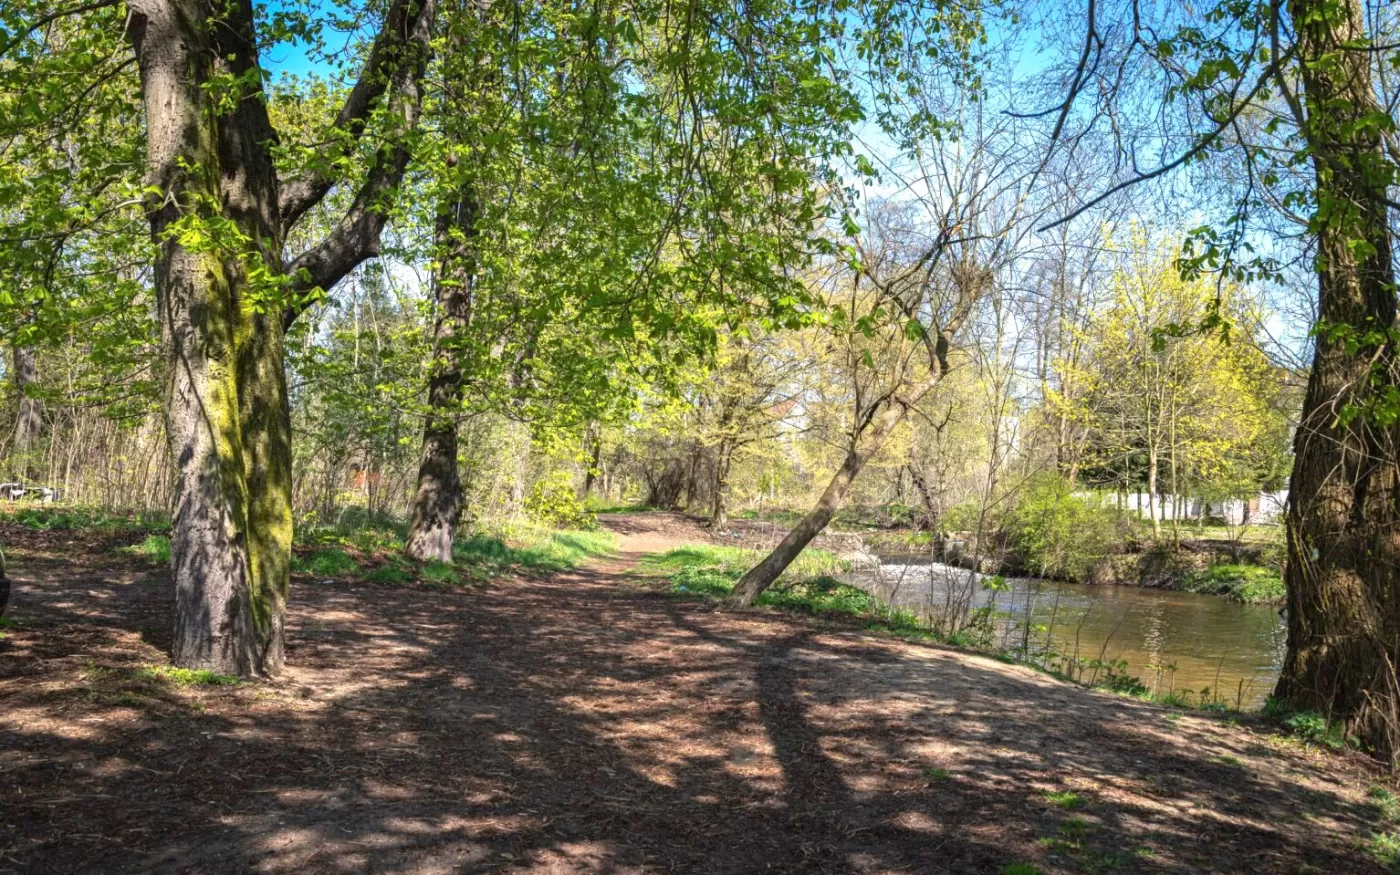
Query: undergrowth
[(374, 553), (186, 677), (153, 548), (45, 518), (1250, 584)]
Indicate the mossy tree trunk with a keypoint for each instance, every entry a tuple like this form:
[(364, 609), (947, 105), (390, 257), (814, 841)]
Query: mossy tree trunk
[(1343, 570), (227, 403), (437, 504), (218, 218)]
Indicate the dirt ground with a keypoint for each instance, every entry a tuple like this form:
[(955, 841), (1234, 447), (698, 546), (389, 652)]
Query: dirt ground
[(588, 723)]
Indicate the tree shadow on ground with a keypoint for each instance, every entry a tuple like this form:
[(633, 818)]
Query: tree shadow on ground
[(578, 725)]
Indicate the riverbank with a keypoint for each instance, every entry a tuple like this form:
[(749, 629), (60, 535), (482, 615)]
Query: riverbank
[(579, 721), (1242, 565)]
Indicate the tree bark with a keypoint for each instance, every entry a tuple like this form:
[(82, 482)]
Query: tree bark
[(1343, 568), (218, 234), (437, 504), (719, 507), (227, 407), (595, 458), (864, 445), (28, 423)]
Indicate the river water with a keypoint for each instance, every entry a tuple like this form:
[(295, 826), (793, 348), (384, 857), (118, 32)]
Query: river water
[(1171, 640)]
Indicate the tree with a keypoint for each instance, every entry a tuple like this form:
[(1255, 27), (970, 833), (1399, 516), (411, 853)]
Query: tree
[(220, 211), (1289, 107), (636, 184), (1343, 571), (897, 327), (915, 277), (1187, 411)]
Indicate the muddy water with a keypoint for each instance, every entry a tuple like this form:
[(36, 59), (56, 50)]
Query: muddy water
[(1233, 649)]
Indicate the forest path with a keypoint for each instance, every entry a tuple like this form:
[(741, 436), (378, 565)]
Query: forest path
[(586, 722)]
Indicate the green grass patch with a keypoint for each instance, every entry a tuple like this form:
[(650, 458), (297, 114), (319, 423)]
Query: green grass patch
[(1385, 848), (1250, 584), (531, 548), (734, 561), (45, 518), (808, 585), (1020, 869), (331, 562), (1065, 799), (440, 573), (186, 677), (153, 548), (1386, 803), (395, 572)]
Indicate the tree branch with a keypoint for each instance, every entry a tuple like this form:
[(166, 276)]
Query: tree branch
[(395, 49), (357, 235), (45, 20)]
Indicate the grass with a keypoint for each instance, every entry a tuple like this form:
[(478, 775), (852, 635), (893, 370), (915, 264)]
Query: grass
[(1251, 534), (1386, 803), (808, 585), (810, 563), (1249, 584), (532, 548), (1385, 848), (374, 554), (55, 517), (331, 562), (186, 677), (1067, 800), (153, 548), (1020, 869)]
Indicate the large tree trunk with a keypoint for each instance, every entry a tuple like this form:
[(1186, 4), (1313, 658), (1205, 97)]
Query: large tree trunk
[(222, 292), (227, 403), (865, 443), (1343, 570), (28, 423), (437, 504)]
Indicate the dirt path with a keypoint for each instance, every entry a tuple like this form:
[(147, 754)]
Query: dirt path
[(586, 724)]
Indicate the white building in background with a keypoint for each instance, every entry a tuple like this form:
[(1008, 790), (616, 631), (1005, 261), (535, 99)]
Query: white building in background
[(1263, 509)]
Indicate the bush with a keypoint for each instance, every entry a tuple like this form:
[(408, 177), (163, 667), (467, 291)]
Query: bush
[(553, 502), (1250, 584), (1060, 534)]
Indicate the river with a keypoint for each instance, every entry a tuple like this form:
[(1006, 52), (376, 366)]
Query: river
[(1171, 640)]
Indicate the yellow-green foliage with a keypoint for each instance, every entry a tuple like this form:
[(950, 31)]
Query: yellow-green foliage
[(1169, 368)]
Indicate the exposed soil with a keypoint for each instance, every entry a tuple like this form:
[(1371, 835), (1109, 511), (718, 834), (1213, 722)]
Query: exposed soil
[(588, 723)]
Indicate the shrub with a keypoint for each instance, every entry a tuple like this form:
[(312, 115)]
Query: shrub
[(553, 502), (1060, 534)]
